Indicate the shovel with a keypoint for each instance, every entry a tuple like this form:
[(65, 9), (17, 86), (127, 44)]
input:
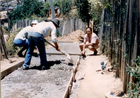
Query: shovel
[(68, 56)]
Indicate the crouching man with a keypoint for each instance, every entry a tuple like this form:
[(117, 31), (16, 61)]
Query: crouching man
[(21, 39), (91, 41)]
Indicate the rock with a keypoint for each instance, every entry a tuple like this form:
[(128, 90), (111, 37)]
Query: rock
[(111, 95)]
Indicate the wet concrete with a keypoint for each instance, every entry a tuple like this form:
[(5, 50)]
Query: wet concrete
[(35, 83), (71, 48)]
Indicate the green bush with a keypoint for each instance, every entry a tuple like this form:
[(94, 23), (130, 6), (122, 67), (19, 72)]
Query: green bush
[(96, 10), (57, 3), (25, 10), (45, 10), (83, 9), (10, 43), (66, 6), (134, 70), (4, 29)]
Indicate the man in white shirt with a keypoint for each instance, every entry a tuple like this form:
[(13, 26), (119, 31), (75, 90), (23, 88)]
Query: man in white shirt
[(36, 37), (21, 38), (91, 41)]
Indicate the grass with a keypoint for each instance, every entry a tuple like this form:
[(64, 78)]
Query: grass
[(12, 49)]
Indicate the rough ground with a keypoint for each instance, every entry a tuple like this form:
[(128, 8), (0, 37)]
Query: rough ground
[(35, 83), (92, 82)]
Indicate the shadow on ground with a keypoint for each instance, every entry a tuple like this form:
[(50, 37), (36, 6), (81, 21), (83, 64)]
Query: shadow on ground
[(49, 64), (93, 55)]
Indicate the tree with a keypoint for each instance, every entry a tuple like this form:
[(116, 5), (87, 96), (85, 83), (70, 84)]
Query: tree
[(57, 3), (83, 8), (52, 9), (45, 10), (66, 6), (25, 10)]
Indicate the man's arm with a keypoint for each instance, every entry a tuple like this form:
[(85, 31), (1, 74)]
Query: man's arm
[(90, 44), (53, 37), (57, 47), (84, 46)]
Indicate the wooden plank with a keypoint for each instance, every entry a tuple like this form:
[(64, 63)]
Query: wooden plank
[(3, 46), (72, 79), (138, 25), (11, 69), (125, 31)]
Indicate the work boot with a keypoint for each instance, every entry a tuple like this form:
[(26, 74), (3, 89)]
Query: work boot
[(95, 52), (25, 67), (83, 56), (20, 54), (44, 67), (35, 54)]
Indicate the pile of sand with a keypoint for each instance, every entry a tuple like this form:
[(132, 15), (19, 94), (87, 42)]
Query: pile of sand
[(75, 36)]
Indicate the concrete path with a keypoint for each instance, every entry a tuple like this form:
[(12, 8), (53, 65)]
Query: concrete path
[(71, 48)]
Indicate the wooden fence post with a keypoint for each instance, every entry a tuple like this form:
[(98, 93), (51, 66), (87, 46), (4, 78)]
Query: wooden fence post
[(3, 49)]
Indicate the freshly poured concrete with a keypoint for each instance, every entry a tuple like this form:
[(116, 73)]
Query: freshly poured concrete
[(35, 83), (71, 48)]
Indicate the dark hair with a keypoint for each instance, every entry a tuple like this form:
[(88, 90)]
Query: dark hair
[(89, 28)]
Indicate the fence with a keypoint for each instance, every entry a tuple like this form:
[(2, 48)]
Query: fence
[(119, 35), (3, 50), (66, 26)]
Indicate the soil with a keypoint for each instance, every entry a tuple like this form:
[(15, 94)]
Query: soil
[(92, 81), (75, 36)]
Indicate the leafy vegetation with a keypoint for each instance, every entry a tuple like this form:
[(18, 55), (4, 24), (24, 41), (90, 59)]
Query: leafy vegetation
[(45, 10), (83, 9), (25, 10), (57, 4), (134, 71), (10, 45), (96, 11), (66, 6), (34, 8)]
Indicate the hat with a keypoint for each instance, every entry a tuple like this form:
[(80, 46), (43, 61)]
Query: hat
[(34, 22), (56, 21)]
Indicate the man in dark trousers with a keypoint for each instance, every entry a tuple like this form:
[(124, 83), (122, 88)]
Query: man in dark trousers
[(36, 36)]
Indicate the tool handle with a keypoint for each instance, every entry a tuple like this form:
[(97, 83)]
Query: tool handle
[(53, 45), (49, 43)]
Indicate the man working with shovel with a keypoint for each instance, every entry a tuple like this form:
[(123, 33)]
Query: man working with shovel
[(36, 36)]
